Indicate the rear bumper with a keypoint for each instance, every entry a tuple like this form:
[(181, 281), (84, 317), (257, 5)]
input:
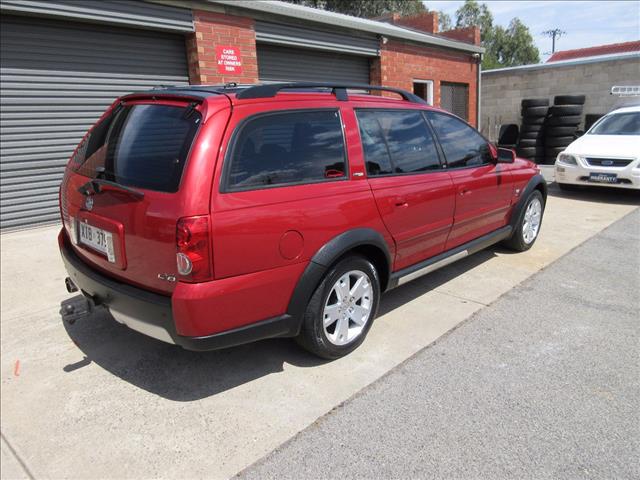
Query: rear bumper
[(151, 314)]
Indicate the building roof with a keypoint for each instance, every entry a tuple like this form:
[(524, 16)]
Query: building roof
[(333, 19), (565, 63), (609, 49)]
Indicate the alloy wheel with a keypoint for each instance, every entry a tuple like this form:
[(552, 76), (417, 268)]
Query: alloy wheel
[(348, 307)]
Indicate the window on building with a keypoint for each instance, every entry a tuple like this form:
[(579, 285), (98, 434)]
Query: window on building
[(424, 90), (454, 98), (288, 148), (396, 142), (463, 146)]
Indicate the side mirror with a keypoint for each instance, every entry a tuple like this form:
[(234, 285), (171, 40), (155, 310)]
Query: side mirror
[(505, 155), (578, 134)]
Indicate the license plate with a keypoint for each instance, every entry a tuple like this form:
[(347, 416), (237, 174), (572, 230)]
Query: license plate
[(98, 239), (603, 177)]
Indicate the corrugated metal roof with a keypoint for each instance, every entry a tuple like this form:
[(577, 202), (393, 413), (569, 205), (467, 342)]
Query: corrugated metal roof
[(565, 63), (346, 21), (599, 50)]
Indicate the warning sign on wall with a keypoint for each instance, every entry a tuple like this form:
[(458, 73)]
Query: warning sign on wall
[(229, 60)]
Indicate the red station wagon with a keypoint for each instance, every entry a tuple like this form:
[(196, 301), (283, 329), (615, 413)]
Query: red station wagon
[(210, 216)]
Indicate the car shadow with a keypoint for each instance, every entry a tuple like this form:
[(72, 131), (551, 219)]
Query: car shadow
[(184, 376), (614, 196)]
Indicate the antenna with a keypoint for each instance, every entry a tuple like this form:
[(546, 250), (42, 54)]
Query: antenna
[(556, 32)]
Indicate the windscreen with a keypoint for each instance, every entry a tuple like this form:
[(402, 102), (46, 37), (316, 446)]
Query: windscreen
[(144, 146), (618, 124)]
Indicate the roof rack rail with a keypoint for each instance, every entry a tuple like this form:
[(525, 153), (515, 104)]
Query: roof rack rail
[(337, 89)]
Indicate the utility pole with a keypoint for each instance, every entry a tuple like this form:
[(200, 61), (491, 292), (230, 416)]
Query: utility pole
[(556, 32)]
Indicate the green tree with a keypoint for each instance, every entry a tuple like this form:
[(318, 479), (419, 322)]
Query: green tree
[(366, 8), (444, 21), (505, 47), (514, 45), (474, 14)]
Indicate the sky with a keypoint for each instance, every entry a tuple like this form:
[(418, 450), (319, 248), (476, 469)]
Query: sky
[(586, 23)]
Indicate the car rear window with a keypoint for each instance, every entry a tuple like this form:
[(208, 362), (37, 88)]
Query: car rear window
[(144, 146), (287, 148)]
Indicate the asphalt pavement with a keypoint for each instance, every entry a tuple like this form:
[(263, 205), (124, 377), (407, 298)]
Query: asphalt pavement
[(542, 383)]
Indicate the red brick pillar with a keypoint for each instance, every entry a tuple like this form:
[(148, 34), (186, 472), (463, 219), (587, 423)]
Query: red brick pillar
[(216, 29)]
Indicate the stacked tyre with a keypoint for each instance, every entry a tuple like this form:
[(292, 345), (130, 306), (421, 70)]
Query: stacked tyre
[(564, 118), (531, 141)]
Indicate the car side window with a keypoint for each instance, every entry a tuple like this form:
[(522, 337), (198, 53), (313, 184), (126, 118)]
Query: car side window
[(287, 148), (463, 146), (396, 142)]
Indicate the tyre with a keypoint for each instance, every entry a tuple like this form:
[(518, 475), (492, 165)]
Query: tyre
[(552, 152), (528, 225), (535, 102), (569, 100), (528, 128), (566, 120), (529, 142), (534, 111), (531, 135), (530, 152), (558, 141), (564, 110), (342, 308), (533, 120), (560, 131)]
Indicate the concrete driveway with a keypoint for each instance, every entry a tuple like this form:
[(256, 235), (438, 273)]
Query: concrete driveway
[(527, 389), (97, 400)]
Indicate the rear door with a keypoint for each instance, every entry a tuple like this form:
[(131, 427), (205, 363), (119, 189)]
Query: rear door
[(414, 194), (135, 174), (483, 188)]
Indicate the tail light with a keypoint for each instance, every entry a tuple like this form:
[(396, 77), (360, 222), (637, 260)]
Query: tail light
[(193, 255)]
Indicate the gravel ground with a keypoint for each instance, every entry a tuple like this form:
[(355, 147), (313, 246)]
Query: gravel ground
[(543, 383)]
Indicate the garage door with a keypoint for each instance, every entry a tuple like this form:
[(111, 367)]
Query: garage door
[(279, 63), (57, 78)]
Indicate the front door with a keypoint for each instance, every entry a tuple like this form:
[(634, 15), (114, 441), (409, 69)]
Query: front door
[(483, 188)]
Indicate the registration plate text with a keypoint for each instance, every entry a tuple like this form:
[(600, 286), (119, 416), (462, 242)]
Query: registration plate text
[(98, 239)]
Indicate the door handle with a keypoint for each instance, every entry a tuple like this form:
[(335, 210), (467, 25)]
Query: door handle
[(401, 202), (464, 191)]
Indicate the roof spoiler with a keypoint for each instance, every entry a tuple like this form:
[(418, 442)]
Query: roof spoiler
[(337, 89)]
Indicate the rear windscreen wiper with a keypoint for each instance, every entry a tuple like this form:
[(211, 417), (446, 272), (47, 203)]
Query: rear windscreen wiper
[(98, 184)]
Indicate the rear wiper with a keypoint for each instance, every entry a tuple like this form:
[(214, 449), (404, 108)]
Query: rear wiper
[(98, 184)]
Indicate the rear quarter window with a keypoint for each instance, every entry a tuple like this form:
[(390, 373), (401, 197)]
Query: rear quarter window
[(286, 148)]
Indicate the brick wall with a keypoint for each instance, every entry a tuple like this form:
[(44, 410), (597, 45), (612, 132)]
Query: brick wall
[(426, 22), (467, 34), (400, 63), (212, 29)]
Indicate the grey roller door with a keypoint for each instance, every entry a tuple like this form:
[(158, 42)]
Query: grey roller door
[(279, 63), (56, 80)]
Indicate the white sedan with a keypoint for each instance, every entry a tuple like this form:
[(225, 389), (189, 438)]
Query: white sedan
[(608, 154)]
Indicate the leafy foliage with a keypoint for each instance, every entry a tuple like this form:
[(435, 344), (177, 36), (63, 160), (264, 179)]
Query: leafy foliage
[(505, 47), (366, 8), (444, 21)]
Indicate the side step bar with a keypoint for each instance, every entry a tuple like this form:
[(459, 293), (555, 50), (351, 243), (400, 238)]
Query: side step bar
[(446, 258)]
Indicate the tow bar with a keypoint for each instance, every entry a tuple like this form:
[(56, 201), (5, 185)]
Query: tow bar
[(77, 307)]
